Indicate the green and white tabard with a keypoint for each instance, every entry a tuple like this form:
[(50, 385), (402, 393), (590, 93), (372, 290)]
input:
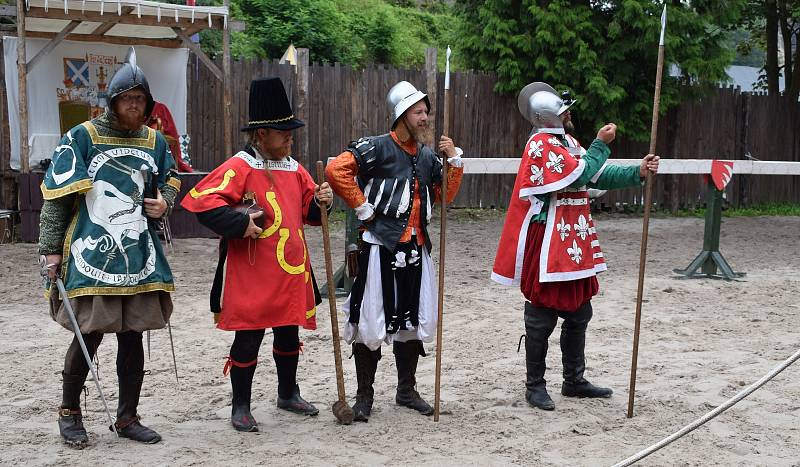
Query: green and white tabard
[(109, 248)]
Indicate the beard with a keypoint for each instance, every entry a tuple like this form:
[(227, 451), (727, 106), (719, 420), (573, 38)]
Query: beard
[(569, 127), (130, 121), (416, 132)]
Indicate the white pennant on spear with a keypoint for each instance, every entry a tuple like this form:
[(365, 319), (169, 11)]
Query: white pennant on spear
[(648, 200)]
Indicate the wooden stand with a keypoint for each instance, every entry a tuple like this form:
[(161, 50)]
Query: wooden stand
[(710, 259)]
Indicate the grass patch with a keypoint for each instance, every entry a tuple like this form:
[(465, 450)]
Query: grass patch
[(766, 209), (477, 214)]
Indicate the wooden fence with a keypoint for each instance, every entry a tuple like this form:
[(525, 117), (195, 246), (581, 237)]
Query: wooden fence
[(342, 104)]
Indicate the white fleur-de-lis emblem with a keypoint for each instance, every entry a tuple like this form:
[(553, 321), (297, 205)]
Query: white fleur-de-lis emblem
[(575, 253), (535, 149), (555, 162), (582, 227), (563, 229), (538, 175), (554, 141)]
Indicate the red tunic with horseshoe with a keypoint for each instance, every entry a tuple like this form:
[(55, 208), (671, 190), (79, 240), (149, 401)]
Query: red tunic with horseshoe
[(268, 280)]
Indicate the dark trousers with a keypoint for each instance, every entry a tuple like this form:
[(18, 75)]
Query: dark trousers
[(539, 325), (130, 370), (285, 351)]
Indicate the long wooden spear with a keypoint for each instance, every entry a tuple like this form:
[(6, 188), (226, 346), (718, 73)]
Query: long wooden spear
[(442, 236), (648, 197)]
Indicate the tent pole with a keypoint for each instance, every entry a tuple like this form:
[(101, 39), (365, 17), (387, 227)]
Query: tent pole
[(22, 72)]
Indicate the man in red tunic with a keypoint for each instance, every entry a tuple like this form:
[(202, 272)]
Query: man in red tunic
[(161, 120), (549, 245), (268, 281)]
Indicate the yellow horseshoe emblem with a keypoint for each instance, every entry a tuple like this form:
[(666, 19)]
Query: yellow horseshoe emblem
[(276, 208), (226, 178), (300, 268)]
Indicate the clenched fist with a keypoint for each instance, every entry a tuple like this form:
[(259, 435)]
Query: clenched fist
[(607, 133)]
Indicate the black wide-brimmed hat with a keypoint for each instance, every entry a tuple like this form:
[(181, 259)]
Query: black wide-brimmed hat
[(269, 106)]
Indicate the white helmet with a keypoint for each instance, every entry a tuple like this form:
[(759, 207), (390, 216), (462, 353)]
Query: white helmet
[(402, 96)]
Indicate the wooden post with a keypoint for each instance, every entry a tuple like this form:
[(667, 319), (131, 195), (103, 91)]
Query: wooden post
[(301, 106), (226, 83), (24, 156), (744, 138), (431, 86)]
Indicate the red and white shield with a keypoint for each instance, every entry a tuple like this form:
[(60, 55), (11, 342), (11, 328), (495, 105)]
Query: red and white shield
[(721, 173)]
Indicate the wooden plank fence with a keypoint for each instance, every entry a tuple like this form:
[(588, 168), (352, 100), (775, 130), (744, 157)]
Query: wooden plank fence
[(343, 104)]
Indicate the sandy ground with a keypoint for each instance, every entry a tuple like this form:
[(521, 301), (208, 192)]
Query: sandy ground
[(702, 341)]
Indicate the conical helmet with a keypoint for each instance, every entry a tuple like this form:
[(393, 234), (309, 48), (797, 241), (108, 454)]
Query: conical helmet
[(127, 77)]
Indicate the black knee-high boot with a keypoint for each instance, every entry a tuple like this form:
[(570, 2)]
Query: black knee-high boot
[(406, 356), (286, 352), (242, 363), (539, 324), (130, 371), (70, 419), (573, 343), (366, 365), (241, 387)]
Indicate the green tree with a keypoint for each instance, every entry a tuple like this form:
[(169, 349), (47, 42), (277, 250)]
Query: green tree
[(314, 24), (604, 52), (352, 32), (769, 21)]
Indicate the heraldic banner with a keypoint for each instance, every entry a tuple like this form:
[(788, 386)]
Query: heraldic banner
[(70, 84)]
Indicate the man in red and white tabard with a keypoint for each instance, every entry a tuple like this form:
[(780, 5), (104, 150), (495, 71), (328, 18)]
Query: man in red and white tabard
[(392, 182), (268, 282), (549, 246)]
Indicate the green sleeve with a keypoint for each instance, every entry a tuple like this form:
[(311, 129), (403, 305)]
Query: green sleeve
[(617, 176), (595, 157), (53, 223)]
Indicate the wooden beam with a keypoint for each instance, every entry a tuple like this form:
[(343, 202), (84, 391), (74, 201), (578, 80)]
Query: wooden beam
[(167, 21), (199, 52), (163, 43), (194, 29), (508, 165), (227, 131), (105, 27), (52, 44), (24, 156)]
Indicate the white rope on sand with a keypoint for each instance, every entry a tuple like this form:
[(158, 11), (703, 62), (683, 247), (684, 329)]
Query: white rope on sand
[(705, 418)]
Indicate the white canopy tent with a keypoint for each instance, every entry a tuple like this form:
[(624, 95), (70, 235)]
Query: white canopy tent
[(123, 22)]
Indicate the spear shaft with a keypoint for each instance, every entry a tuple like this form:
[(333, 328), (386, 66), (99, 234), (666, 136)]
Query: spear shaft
[(442, 237), (648, 200)]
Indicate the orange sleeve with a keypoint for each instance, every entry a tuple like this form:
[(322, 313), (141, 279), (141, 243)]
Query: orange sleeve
[(341, 175), (454, 177)]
